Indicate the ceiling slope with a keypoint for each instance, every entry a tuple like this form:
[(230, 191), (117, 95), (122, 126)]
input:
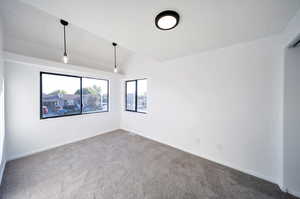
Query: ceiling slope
[(204, 25), (32, 32)]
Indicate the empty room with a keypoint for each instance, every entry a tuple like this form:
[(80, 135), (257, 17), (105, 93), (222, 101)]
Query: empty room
[(161, 99)]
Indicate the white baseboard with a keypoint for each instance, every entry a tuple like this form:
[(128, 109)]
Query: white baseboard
[(222, 162), (18, 156), (292, 192), (283, 188), (244, 170)]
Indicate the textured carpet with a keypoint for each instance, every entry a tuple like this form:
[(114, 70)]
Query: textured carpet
[(119, 165)]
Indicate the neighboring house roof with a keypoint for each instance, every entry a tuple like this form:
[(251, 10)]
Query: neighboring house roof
[(57, 97), (70, 97)]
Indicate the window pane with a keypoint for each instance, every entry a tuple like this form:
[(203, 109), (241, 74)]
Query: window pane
[(142, 96), (94, 95), (130, 95), (60, 95)]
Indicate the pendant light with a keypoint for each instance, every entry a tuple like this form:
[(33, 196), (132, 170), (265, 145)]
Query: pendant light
[(65, 57), (115, 57)]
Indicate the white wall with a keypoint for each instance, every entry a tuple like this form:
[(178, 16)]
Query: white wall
[(292, 121), (26, 133), (291, 157), (224, 105), (2, 119)]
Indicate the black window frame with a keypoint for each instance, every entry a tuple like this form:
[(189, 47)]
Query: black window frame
[(81, 96), (136, 96)]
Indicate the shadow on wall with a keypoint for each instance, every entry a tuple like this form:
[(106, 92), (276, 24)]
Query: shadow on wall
[(291, 120), (2, 119), (2, 127)]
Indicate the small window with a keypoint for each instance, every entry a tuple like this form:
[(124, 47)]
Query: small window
[(131, 95), (136, 95), (65, 95), (94, 95)]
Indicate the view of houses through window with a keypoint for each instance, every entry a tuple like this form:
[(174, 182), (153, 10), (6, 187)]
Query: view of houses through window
[(94, 95), (136, 95), (63, 95), (130, 95)]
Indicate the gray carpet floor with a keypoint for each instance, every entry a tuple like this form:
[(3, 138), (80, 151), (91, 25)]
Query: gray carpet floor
[(120, 165)]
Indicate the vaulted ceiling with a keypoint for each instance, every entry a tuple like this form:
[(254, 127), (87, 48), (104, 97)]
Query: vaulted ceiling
[(32, 32), (204, 25)]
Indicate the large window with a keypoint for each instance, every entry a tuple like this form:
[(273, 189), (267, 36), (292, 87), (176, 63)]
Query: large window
[(136, 95), (64, 95)]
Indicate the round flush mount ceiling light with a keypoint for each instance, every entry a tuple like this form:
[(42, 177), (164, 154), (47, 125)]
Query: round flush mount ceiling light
[(167, 20)]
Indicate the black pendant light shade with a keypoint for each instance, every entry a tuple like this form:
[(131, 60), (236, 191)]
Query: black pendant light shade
[(167, 20), (115, 57), (65, 57)]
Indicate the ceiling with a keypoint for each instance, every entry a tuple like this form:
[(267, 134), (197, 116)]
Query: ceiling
[(204, 25), (32, 28), (32, 32)]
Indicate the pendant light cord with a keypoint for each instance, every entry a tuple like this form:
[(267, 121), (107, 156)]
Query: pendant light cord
[(65, 42), (115, 56)]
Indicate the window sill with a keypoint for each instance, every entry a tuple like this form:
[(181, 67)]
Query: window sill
[(78, 114), (135, 112)]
